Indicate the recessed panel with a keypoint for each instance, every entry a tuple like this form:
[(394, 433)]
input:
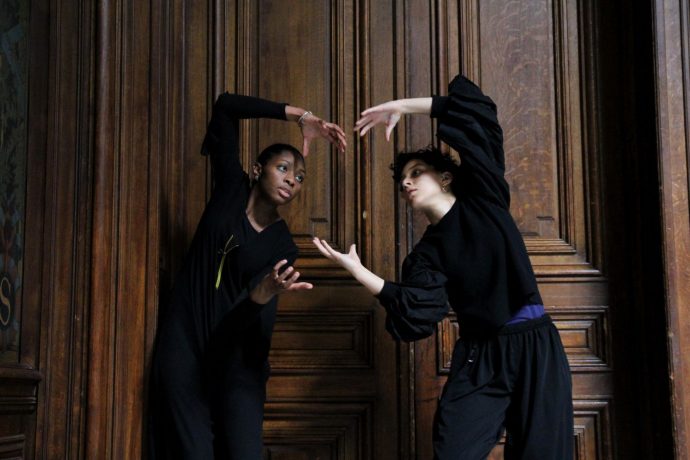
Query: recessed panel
[(305, 430), (321, 341)]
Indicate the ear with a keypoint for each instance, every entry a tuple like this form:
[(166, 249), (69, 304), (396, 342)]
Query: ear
[(446, 177), (256, 171)]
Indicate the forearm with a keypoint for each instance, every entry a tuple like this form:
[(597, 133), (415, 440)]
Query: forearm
[(368, 279), (417, 105), (237, 106)]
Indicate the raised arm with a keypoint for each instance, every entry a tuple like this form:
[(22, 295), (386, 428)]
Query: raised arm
[(467, 122), (389, 114), (222, 135)]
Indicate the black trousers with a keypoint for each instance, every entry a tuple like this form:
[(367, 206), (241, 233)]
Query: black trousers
[(518, 380), (205, 409)]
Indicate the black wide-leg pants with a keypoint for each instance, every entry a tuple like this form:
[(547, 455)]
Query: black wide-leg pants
[(518, 380)]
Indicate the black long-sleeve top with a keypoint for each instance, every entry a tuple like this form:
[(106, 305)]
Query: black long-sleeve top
[(228, 257), (474, 259)]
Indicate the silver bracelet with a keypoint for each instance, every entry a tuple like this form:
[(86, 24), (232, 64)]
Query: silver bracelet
[(301, 119)]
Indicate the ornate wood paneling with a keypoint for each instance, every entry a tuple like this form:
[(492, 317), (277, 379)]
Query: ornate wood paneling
[(322, 342), (120, 94), (310, 430), (13, 447), (592, 429)]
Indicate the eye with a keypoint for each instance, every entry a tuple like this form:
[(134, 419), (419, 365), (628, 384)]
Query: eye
[(299, 178), (282, 168), (415, 173)]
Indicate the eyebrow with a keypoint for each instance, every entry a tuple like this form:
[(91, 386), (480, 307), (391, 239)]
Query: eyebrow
[(410, 165)]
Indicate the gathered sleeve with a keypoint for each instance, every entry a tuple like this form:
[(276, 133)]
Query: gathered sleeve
[(222, 135), (417, 303), (468, 122)]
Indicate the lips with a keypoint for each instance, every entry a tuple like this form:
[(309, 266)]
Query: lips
[(284, 193)]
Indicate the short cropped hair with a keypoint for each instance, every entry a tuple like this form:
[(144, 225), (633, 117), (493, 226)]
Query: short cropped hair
[(276, 149)]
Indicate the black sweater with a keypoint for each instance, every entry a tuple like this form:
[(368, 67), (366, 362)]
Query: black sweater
[(474, 258), (210, 299)]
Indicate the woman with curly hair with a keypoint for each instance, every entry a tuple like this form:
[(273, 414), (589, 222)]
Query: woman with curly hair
[(509, 369)]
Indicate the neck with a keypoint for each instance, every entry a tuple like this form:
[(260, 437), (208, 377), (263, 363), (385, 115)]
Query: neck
[(261, 212), (439, 208)]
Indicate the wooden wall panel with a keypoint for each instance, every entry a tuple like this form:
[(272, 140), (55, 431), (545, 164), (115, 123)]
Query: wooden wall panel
[(671, 45), (124, 250), (120, 96)]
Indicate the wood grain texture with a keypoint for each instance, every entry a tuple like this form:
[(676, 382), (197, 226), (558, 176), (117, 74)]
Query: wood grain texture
[(120, 96), (673, 122)]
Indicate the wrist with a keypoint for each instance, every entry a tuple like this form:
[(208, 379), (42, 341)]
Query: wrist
[(258, 296), (303, 118), (293, 113)]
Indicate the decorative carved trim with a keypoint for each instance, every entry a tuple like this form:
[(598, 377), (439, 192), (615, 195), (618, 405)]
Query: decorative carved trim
[(12, 447), (592, 429), (340, 430), (18, 390), (583, 332), (322, 341)]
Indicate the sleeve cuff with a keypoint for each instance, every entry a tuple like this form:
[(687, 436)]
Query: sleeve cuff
[(282, 106), (438, 105), (388, 292)]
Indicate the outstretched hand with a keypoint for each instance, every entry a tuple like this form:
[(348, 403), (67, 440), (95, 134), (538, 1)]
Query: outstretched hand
[(349, 261), (277, 282), (314, 127), (387, 113)]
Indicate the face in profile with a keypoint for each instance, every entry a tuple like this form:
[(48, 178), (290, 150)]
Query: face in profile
[(421, 184), (281, 178)]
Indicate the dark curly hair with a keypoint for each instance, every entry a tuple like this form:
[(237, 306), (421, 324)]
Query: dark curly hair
[(430, 155)]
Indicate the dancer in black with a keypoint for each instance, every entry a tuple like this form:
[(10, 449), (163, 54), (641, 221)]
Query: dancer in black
[(509, 370), (210, 363)]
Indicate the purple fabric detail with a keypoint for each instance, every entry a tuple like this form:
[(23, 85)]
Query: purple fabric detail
[(526, 313)]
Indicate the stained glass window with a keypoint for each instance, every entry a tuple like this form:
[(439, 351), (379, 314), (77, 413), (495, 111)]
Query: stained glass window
[(14, 20)]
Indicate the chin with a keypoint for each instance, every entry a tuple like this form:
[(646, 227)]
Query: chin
[(411, 202)]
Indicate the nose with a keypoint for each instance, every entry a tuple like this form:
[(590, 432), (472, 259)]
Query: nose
[(290, 180), (406, 183)]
